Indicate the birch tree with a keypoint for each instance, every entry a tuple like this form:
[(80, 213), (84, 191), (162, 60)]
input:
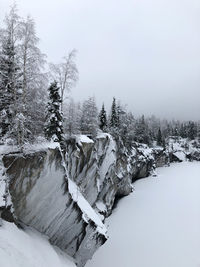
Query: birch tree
[(31, 63), (66, 73)]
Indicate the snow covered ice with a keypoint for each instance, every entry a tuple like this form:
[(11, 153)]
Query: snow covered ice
[(158, 225)]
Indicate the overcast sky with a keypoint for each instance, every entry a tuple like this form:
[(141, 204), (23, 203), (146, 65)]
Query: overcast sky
[(144, 52)]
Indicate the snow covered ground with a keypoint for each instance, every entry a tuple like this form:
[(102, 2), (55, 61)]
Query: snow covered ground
[(158, 225), (28, 249)]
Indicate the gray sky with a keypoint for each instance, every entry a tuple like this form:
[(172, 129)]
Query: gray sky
[(144, 52)]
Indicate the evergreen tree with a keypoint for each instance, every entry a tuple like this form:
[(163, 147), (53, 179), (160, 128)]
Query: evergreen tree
[(102, 119), (142, 131), (54, 128), (192, 130), (183, 132), (9, 71), (159, 138), (114, 118), (126, 129)]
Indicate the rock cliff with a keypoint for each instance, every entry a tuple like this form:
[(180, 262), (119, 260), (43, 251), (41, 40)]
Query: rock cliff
[(67, 194)]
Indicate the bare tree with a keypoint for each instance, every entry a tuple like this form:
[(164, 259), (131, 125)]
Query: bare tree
[(65, 73), (89, 118), (31, 58), (31, 64)]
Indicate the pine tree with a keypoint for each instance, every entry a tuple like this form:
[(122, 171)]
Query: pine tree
[(126, 129), (192, 130), (9, 72), (102, 119), (142, 131), (183, 132), (54, 128), (159, 138), (114, 118), (198, 132)]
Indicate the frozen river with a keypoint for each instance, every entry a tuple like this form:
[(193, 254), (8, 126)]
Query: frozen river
[(158, 225)]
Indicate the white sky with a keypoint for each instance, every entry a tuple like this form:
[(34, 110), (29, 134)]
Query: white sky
[(144, 52)]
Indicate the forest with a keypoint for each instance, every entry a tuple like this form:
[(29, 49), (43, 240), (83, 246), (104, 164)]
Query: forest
[(35, 101)]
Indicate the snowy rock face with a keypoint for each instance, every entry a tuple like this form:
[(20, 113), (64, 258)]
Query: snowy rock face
[(42, 200), (182, 149), (67, 195), (103, 172), (98, 172)]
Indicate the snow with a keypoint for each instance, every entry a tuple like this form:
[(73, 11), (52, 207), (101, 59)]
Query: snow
[(101, 206), (40, 146), (146, 151), (27, 148), (2, 183), (180, 155), (108, 162), (4, 149), (2, 190), (83, 139), (103, 135), (158, 225), (28, 248), (88, 212)]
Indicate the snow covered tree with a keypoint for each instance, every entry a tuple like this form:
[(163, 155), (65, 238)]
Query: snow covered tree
[(183, 132), (142, 131), (53, 126), (114, 118), (102, 119), (89, 118), (34, 82), (192, 130), (159, 138), (198, 132), (9, 71), (22, 85), (66, 73), (126, 128), (72, 117)]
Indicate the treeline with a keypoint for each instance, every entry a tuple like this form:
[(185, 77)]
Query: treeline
[(85, 118), (32, 97)]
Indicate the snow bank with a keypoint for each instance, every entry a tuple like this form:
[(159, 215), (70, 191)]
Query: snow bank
[(28, 248)]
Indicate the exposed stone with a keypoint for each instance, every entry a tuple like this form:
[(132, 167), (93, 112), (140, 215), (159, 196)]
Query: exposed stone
[(39, 188)]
